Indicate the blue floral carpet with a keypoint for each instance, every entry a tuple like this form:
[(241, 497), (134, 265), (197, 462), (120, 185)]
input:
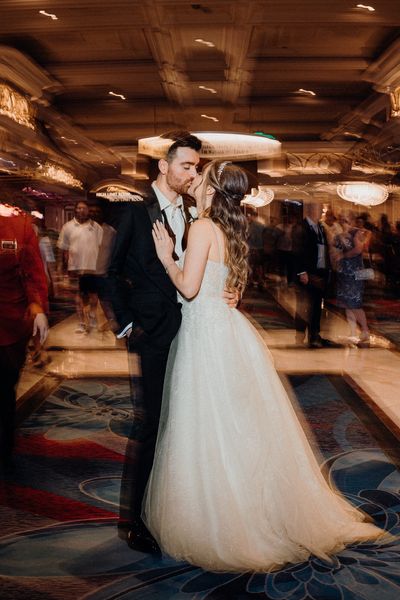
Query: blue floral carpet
[(59, 506)]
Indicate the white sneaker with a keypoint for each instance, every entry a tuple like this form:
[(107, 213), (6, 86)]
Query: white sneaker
[(365, 337), (81, 328)]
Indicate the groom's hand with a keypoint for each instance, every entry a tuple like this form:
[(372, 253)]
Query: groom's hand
[(231, 298)]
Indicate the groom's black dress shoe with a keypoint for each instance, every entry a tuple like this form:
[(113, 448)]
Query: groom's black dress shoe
[(139, 538), (320, 342)]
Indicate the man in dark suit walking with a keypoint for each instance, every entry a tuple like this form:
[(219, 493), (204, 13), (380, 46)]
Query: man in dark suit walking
[(312, 268), (148, 314)]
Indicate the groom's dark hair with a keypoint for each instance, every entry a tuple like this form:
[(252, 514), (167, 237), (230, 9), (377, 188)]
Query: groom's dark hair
[(181, 139)]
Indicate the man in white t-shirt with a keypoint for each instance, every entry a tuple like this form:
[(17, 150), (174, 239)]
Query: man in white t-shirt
[(99, 281), (80, 240)]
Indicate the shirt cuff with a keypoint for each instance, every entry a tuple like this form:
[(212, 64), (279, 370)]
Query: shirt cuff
[(123, 333)]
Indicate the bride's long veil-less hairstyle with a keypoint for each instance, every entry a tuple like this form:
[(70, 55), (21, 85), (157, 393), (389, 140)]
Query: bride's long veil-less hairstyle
[(230, 184)]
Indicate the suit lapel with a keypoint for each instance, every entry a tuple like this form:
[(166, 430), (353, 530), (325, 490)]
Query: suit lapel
[(188, 202), (154, 269), (153, 207)]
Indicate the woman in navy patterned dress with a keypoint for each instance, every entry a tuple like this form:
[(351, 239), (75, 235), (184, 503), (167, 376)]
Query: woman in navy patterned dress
[(350, 291)]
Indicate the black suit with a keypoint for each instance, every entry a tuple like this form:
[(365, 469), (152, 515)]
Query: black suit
[(143, 294), (309, 297)]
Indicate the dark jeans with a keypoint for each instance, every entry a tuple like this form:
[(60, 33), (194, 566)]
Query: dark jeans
[(12, 359)]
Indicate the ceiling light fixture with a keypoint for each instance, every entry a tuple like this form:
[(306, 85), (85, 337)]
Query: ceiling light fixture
[(365, 7), (395, 102), (68, 139), (7, 162), (309, 92), (46, 14), (215, 144), (118, 95), (353, 134), (207, 89), (51, 171), (15, 106), (363, 192), (205, 42), (259, 197), (211, 118)]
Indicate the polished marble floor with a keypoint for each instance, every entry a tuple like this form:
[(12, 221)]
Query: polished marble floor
[(374, 368)]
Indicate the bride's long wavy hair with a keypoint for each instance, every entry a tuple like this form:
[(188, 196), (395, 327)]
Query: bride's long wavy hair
[(230, 184)]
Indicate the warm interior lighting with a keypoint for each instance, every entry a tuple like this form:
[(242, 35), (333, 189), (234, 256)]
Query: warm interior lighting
[(363, 192), (366, 7), (204, 42), (116, 193), (223, 145), (56, 173), (118, 95), (207, 89), (259, 197), (309, 92), (209, 117), (16, 107), (46, 14), (353, 134), (68, 139), (7, 164), (395, 103)]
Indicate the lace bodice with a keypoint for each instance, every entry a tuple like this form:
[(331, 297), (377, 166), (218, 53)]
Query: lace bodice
[(212, 285)]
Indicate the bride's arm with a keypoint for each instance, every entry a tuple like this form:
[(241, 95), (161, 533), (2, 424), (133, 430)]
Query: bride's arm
[(186, 280)]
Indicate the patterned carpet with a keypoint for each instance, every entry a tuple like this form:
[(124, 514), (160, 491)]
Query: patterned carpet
[(58, 508), (265, 310)]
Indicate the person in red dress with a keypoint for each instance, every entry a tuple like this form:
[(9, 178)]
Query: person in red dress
[(23, 306)]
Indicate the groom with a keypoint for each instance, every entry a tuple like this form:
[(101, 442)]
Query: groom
[(148, 313)]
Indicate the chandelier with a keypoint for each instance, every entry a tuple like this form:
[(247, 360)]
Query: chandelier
[(363, 192), (258, 198), (15, 106), (222, 145), (395, 102)]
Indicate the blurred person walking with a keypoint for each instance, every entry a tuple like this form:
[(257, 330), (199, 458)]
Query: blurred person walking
[(351, 244), (80, 239), (312, 266), (23, 304)]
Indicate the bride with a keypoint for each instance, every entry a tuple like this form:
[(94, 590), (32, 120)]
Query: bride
[(234, 485)]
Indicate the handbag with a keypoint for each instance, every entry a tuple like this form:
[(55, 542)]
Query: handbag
[(364, 274)]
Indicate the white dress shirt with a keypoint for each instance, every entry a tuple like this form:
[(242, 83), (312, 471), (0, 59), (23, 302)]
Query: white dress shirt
[(175, 215)]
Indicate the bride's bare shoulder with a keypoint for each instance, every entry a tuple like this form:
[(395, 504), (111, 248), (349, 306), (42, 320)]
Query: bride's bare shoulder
[(202, 225)]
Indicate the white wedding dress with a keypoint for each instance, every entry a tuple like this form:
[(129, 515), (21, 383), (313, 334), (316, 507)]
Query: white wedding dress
[(235, 485)]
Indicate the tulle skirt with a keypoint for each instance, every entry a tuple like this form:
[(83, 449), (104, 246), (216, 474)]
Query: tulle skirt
[(235, 485)]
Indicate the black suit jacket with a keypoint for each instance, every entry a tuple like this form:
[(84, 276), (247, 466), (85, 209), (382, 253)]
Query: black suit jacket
[(305, 247), (141, 291)]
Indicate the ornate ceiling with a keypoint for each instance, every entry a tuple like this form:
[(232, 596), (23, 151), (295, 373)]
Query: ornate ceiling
[(221, 65)]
